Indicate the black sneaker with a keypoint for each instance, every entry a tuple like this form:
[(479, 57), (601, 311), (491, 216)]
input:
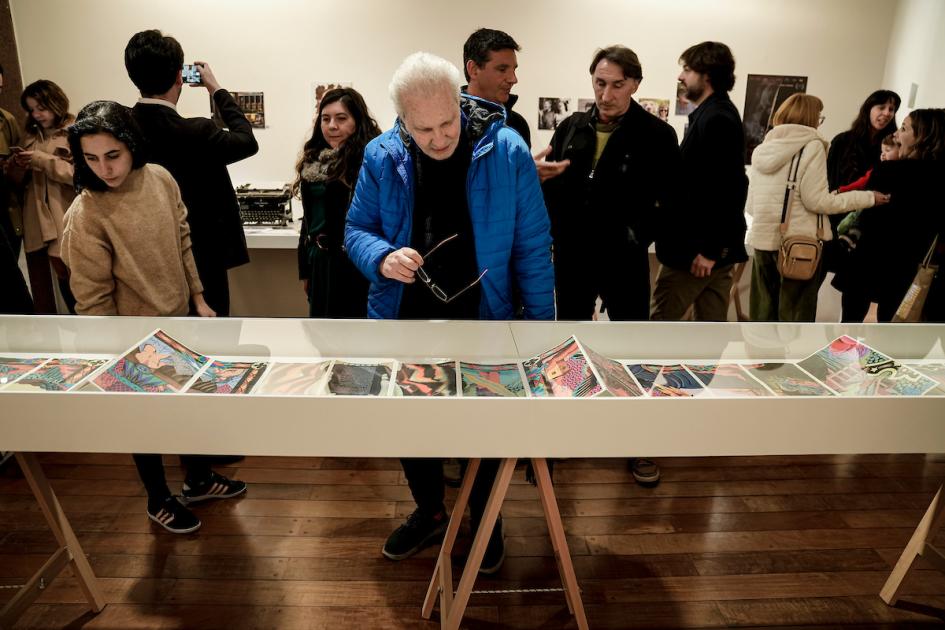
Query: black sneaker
[(645, 472), (174, 517), (419, 531), (215, 487), (495, 551)]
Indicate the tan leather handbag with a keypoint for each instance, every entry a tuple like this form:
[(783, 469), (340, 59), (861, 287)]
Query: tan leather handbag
[(798, 256)]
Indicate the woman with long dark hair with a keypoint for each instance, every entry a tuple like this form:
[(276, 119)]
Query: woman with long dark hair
[(44, 165), (857, 150), (127, 244), (326, 174), (896, 237)]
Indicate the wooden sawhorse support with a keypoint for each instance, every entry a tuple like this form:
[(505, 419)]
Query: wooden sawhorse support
[(919, 545), (68, 554), (453, 605)]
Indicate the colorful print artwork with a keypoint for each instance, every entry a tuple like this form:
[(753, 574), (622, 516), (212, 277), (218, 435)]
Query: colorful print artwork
[(427, 379), (786, 379), (936, 372), (156, 364), (57, 375), (562, 371), (728, 379), (360, 379), (12, 368), (491, 379), (851, 368), (229, 377), (617, 379), (666, 381)]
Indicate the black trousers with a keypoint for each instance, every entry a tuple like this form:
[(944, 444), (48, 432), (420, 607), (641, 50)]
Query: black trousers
[(425, 478), (151, 471), (620, 276)]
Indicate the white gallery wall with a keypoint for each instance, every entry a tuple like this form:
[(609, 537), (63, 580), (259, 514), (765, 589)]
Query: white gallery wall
[(917, 53), (281, 47)]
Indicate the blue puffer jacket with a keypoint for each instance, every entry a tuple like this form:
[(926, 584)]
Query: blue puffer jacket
[(509, 220)]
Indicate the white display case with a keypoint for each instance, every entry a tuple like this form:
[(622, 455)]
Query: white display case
[(465, 427)]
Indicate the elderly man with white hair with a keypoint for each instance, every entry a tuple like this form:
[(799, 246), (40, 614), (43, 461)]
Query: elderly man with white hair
[(449, 196)]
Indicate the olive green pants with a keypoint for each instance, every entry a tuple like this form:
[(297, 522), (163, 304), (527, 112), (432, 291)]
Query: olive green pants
[(776, 299)]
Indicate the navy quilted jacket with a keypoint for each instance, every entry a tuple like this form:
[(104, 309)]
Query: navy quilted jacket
[(509, 219)]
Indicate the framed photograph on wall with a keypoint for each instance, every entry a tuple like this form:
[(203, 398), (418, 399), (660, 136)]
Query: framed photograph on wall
[(319, 88), (763, 95), (252, 104), (659, 107), (552, 110)]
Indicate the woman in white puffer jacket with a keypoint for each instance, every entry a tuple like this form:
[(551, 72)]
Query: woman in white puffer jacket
[(774, 298)]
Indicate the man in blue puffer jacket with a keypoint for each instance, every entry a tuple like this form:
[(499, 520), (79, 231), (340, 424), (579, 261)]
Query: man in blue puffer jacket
[(449, 196)]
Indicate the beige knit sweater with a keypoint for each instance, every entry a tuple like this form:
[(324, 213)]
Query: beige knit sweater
[(128, 248)]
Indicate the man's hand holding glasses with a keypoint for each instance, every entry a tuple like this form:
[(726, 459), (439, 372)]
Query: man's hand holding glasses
[(402, 265), (406, 264)]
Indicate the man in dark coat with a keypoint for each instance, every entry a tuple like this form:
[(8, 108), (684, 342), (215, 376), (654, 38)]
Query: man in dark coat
[(608, 180), (699, 250), (489, 62), (196, 152)]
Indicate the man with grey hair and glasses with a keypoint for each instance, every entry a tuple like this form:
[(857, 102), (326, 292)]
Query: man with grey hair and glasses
[(446, 215)]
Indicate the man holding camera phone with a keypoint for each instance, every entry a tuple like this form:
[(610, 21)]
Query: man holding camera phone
[(196, 152)]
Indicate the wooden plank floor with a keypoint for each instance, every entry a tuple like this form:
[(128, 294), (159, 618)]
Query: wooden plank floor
[(752, 542)]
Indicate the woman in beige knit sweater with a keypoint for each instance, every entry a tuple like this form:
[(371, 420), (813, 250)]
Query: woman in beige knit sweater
[(127, 245), (774, 298), (45, 166)]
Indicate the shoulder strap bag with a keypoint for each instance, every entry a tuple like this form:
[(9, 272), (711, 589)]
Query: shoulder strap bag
[(798, 256)]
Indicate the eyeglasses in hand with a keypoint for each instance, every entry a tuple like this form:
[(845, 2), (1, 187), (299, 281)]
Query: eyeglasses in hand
[(438, 292)]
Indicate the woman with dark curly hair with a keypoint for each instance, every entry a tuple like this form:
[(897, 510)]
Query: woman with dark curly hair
[(44, 167), (127, 245), (326, 175), (896, 237)]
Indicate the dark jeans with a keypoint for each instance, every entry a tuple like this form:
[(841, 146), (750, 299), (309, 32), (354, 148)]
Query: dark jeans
[(425, 478), (151, 471), (777, 299), (622, 280)]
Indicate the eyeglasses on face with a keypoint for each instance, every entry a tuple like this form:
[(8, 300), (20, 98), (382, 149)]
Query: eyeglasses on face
[(438, 292)]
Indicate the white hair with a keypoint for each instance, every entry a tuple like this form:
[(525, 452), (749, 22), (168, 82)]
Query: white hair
[(425, 74)]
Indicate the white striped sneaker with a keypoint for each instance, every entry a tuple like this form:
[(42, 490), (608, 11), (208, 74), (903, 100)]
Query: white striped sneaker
[(215, 487), (174, 517)]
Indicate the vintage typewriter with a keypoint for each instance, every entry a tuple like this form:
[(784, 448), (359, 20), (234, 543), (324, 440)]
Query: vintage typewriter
[(264, 206)]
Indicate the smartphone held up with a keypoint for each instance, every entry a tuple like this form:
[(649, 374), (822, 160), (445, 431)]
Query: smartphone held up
[(190, 73)]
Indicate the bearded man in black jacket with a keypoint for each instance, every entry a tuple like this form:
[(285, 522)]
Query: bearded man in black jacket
[(699, 250), (196, 152)]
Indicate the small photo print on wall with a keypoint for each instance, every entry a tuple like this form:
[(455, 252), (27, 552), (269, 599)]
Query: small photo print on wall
[(320, 88), (684, 106), (763, 96), (552, 110), (585, 104), (659, 107), (252, 104)]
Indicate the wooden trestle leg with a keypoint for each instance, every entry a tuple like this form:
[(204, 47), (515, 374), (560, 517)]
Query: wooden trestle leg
[(69, 553), (453, 605), (919, 545)]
